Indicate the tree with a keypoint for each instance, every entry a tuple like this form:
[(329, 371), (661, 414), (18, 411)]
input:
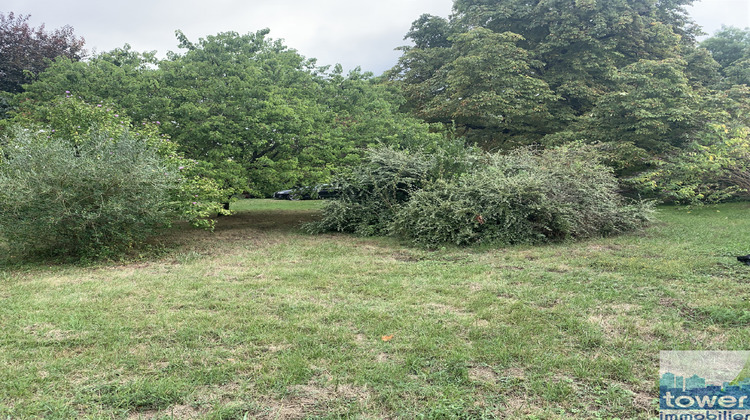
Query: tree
[(572, 49), (250, 107), (483, 84), (626, 75), (363, 111), (730, 47), (654, 109), (26, 51), (121, 76)]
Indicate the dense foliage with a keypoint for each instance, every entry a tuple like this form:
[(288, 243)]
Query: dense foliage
[(473, 197), (93, 198), (730, 47), (244, 113), (80, 179), (257, 115), (539, 63), (627, 76)]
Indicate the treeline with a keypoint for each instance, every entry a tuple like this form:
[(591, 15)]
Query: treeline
[(243, 113)]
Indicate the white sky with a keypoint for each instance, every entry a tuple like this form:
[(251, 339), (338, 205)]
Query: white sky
[(350, 32)]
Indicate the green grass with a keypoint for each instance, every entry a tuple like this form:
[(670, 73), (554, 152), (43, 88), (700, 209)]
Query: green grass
[(259, 320)]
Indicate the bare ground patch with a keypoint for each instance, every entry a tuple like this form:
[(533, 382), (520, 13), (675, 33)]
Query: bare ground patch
[(181, 411), (447, 309), (482, 374), (314, 397)]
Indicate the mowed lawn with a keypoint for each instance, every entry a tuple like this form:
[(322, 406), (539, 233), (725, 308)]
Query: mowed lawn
[(259, 320)]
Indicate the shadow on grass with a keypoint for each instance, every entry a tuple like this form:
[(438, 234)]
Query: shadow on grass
[(266, 221), (250, 227)]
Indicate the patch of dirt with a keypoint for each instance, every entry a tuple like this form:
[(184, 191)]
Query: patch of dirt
[(643, 402), (517, 406), (517, 373), (37, 329), (382, 357), (510, 267), (306, 400), (475, 287), (275, 348), (181, 411), (482, 374), (447, 309), (47, 331), (668, 302), (607, 318), (607, 323), (603, 247)]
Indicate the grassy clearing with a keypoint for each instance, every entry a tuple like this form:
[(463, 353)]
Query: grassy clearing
[(259, 320)]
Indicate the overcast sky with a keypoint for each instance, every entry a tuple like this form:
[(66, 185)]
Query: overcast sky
[(350, 32)]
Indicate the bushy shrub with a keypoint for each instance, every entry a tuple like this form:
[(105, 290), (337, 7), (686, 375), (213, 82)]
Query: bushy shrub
[(372, 193), (521, 197), (94, 199), (71, 120)]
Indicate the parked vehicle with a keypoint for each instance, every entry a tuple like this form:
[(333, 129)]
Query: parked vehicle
[(307, 193)]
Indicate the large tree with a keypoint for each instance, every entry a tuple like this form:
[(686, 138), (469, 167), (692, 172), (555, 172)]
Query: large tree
[(266, 117), (546, 61), (626, 75), (483, 83), (245, 104)]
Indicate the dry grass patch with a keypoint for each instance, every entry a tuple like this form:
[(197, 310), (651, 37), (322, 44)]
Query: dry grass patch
[(314, 399), (179, 411)]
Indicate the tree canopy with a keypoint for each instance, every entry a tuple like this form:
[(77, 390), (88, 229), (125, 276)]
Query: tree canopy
[(730, 47), (257, 114), (26, 51), (535, 66)]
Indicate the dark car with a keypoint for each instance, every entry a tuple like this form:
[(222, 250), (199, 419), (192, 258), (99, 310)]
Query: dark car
[(307, 193)]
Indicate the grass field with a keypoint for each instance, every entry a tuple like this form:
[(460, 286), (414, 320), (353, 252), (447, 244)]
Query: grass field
[(259, 320)]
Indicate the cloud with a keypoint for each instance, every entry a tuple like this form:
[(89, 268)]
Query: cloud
[(712, 14), (350, 32)]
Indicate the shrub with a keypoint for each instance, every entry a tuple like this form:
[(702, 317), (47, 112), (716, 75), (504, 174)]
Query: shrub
[(71, 120), (92, 199), (521, 197), (373, 192), (524, 197)]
